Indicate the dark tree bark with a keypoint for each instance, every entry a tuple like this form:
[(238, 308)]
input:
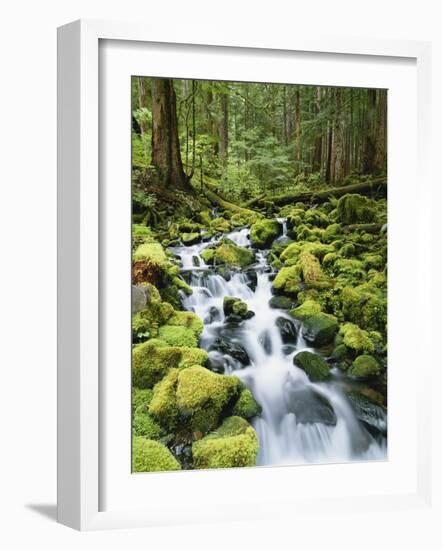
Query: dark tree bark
[(298, 129), (143, 96), (166, 154)]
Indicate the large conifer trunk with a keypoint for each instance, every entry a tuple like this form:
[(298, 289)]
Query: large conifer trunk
[(166, 154)]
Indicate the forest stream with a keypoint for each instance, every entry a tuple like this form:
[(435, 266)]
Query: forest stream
[(301, 421)]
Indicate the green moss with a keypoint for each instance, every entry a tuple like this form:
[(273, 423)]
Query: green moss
[(314, 216), (146, 322), (347, 250), (220, 225), (307, 309), (202, 395), (151, 456), (182, 285), (228, 253), (141, 398), (352, 269), (354, 208), (187, 319), (329, 259), (235, 306), (144, 425), (340, 352), (288, 280), (355, 338), (151, 361), (264, 232), (313, 365), (331, 232), (178, 336), (139, 230), (208, 255), (190, 238), (163, 406), (364, 366), (192, 356), (244, 218), (291, 254), (365, 305), (312, 273), (320, 329), (246, 406), (235, 444), (152, 252)]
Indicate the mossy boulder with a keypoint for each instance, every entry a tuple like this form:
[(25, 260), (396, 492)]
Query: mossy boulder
[(186, 319), (305, 310), (288, 280), (220, 225), (202, 395), (365, 305), (178, 336), (151, 360), (190, 238), (280, 302), (141, 397), (152, 252), (264, 232), (311, 271), (364, 366), (234, 444), (331, 232), (356, 338), (144, 425), (320, 329), (146, 322), (228, 253), (246, 406), (315, 366), (236, 307), (353, 208), (152, 456), (163, 406)]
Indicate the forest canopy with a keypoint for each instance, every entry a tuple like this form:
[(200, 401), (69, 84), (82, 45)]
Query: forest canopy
[(251, 138)]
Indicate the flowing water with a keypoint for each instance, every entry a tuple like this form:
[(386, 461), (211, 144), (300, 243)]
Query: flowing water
[(301, 421)]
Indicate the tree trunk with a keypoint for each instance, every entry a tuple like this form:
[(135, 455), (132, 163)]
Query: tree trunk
[(142, 103), (338, 140), (298, 130), (224, 129), (166, 154)]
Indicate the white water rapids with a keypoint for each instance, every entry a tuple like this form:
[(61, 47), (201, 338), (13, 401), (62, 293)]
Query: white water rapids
[(301, 422)]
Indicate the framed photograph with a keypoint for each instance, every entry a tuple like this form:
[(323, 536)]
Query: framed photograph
[(238, 274)]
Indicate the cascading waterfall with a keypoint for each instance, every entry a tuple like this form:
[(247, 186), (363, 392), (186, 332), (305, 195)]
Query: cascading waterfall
[(301, 421)]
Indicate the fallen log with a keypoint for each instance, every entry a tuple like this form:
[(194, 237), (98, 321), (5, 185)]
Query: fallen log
[(217, 200), (375, 187), (255, 200), (365, 227)]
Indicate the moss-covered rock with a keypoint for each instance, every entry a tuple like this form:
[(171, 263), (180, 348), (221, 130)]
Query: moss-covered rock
[(364, 366), (320, 329), (288, 280), (145, 323), (280, 302), (152, 456), (355, 338), (186, 319), (163, 406), (190, 238), (220, 225), (234, 444), (354, 208), (331, 232), (305, 310), (141, 397), (365, 305), (228, 253), (144, 425), (311, 271), (178, 336), (264, 232), (235, 306), (313, 365), (246, 406), (202, 395), (151, 360)]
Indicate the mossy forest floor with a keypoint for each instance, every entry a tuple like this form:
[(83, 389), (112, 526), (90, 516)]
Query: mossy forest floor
[(330, 275)]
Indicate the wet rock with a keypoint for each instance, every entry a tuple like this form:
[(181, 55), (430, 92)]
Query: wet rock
[(216, 362), (320, 329), (252, 279), (313, 365), (287, 329), (280, 302), (138, 299), (287, 349), (371, 414), (213, 315), (190, 238), (309, 406), (225, 272), (196, 261), (266, 341), (234, 349)]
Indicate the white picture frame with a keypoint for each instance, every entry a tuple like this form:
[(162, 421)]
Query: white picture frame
[(80, 436)]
